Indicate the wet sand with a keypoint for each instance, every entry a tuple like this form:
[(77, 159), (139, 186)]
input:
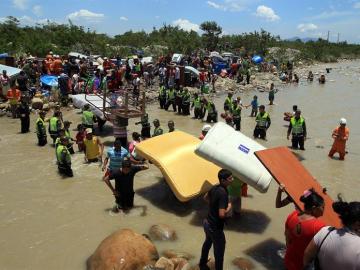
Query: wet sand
[(53, 223)]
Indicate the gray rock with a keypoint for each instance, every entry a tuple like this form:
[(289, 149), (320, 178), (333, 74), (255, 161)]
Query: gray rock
[(162, 232)]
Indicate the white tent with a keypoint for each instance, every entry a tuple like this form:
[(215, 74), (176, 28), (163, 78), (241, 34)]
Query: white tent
[(77, 55)]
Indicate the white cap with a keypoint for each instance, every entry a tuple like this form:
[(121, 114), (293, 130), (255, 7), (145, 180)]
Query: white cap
[(342, 121), (206, 127), (89, 130)]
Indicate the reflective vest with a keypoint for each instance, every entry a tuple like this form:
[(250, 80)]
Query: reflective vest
[(186, 98), (88, 118), (197, 103), (40, 127), (209, 108), (228, 102), (171, 94), (297, 125), (53, 127), (162, 92), (67, 134), (158, 131), (92, 148), (63, 155), (262, 120), (236, 111)]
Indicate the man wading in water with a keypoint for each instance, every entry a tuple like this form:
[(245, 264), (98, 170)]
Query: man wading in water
[(219, 207), (124, 184)]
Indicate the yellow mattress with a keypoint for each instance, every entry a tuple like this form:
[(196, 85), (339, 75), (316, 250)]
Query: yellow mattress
[(187, 174)]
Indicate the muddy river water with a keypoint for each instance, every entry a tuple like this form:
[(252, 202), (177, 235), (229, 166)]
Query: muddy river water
[(52, 223)]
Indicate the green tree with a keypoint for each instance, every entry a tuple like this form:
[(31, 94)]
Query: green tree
[(211, 34)]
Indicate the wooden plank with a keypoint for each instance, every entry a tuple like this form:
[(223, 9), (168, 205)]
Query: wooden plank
[(286, 169)]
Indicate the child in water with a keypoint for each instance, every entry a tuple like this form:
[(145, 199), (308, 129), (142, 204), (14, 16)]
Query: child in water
[(80, 137)]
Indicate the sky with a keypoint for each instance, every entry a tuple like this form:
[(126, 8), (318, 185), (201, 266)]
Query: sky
[(287, 18)]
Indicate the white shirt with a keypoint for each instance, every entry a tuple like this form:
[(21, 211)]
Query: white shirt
[(340, 250)]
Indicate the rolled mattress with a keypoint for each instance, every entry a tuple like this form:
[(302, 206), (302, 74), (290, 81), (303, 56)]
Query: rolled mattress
[(234, 151)]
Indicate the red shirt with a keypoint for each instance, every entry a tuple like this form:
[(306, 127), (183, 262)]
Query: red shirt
[(300, 233)]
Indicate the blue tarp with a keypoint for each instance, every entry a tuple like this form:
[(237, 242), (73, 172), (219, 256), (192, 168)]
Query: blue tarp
[(3, 55), (218, 66), (49, 80), (257, 59)]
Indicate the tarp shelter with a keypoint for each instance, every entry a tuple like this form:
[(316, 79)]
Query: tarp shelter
[(11, 72), (147, 60), (77, 55), (49, 80), (192, 70), (3, 55)]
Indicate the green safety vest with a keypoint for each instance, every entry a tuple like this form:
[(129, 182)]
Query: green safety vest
[(137, 68), (67, 134), (209, 108), (297, 125), (171, 94), (186, 98), (63, 155), (40, 127), (162, 92), (53, 124), (236, 111), (88, 118), (228, 102), (262, 120), (158, 131), (197, 103)]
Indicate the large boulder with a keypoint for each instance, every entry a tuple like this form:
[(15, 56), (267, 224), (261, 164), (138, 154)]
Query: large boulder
[(123, 250), (162, 232)]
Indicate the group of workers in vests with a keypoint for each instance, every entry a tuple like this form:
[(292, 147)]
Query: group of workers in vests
[(182, 102), (62, 140)]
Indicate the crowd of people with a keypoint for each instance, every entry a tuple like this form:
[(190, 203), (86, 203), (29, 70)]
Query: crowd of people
[(305, 233)]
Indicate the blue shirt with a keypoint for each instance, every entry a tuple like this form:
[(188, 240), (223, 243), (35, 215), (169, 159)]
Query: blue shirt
[(116, 157), (254, 104)]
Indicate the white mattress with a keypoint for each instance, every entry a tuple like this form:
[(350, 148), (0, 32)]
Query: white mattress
[(79, 101), (232, 150)]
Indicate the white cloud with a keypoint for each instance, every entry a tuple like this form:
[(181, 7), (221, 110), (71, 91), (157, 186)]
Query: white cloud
[(186, 25), (157, 17), (123, 18), (305, 27), (20, 4), (214, 5), (2, 19), (84, 14), (230, 5), (37, 10), (266, 13), (357, 5)]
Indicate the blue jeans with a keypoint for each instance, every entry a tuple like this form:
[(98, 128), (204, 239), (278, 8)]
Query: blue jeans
[(214, 237)]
